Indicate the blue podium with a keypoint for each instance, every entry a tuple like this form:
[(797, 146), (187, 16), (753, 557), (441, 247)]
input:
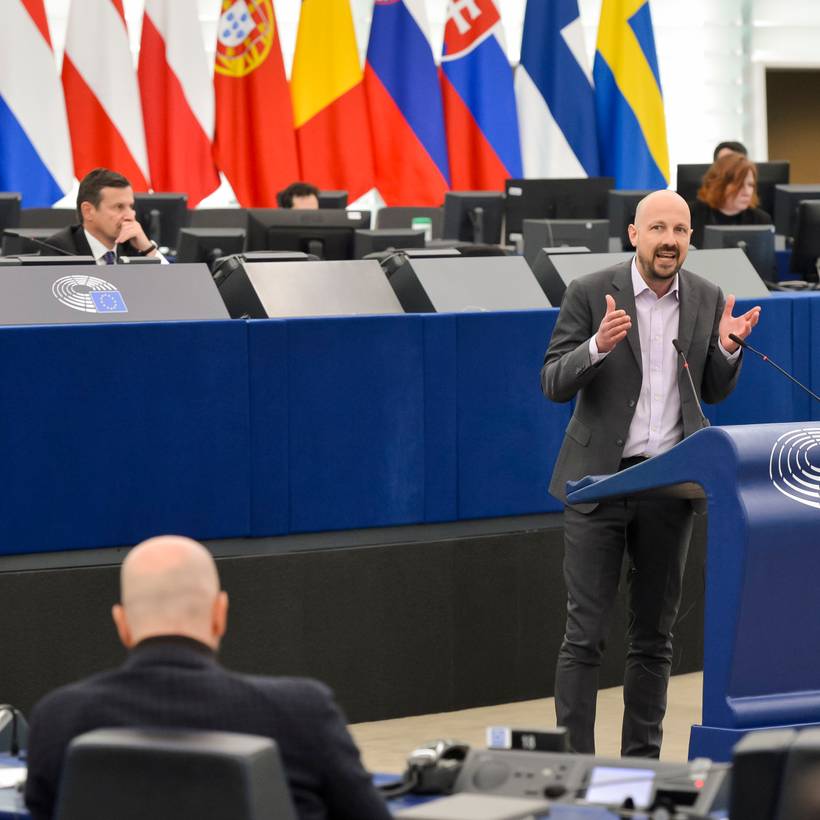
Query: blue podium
[(761, 482)]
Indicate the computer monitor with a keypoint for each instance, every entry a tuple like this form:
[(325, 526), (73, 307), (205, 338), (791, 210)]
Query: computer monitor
[(162, 216), (584, 233), (806, 248), (332, 199), (756, 241), (209, 244), (622, 205), (9, 210), (584, 198), (386, 239), (218, 218), (473, 216), (54, 218), (787, 198), (769, 174), (326, 234)]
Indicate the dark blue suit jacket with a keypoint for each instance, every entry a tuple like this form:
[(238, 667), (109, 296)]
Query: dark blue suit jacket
[(177, 683)]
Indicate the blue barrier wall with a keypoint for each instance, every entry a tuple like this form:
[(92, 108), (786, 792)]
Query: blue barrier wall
[(218, 429)]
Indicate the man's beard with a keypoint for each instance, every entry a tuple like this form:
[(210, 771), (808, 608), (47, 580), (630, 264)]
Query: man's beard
[(648, 264)]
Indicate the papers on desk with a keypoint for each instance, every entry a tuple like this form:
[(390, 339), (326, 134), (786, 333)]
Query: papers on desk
[(12, 776)]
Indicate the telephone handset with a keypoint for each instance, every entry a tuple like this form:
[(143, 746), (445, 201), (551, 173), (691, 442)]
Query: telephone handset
[(431, 769)]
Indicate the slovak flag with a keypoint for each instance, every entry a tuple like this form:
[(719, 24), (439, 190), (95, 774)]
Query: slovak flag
[(35, 150), (404, 103), (479, 101)]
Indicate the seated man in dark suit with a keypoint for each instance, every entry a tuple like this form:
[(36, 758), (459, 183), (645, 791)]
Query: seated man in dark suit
[(108, 222), (172, 618)]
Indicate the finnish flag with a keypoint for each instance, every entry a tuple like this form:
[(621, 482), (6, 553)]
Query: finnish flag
[(554, 91)]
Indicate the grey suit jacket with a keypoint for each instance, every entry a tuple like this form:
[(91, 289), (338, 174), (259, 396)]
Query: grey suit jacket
[(607, 393)]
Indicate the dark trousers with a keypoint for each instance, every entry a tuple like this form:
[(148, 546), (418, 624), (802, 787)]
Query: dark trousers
[(655, 534)]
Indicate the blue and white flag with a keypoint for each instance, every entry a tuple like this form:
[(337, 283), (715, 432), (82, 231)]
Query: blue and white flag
[(35, 148), (553, 86)]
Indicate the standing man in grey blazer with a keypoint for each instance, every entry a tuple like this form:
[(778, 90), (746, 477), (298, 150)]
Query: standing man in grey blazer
[(612, 352)]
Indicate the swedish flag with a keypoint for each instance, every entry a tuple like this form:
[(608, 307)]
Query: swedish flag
[(628, 98)]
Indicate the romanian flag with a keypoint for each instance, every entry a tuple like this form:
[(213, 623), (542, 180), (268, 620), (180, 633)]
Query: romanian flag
[(628, 98), (329, 105), (254, 143)]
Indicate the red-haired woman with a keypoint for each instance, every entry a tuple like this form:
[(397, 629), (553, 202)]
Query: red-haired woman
[(728, 196)]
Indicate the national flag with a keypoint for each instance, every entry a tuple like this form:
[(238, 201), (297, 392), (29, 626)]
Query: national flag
[(255, 146), (628, 97), (404, 102), (553, 87), (329, 104), (101, 93), (177, 99), (479, 101), (35, 149)]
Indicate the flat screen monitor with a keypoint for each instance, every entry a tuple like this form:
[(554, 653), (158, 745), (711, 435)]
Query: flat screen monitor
[(584, 198), (218, 218), (787, 198), (162, 216), (582, 233), (54, 218), (9, 210), (806, 248), (756, 241), (209, 244), (622, 205), (326, 234), (769, 174), (333, 199), (473, 216), (386, 239)]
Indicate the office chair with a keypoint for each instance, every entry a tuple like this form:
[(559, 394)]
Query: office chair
[(172, 774)]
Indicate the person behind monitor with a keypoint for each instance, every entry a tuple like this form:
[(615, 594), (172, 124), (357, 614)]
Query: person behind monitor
[(723, 149), (172, 617), (108, 226), (301, 196), (728, 196), (612, 352)]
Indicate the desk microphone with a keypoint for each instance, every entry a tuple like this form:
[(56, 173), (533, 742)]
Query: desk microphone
[(41, 242), (703, 419), (744, 344)]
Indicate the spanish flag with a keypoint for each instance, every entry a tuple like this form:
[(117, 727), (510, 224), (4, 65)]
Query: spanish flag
[(254, 143), (329, 105)]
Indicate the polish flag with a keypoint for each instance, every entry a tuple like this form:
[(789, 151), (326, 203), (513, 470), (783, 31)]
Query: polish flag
[(101, 93), (177, 99)]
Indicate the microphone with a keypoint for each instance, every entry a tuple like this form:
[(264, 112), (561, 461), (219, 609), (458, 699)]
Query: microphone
[(41, 242), (744, 344), (703, 419)]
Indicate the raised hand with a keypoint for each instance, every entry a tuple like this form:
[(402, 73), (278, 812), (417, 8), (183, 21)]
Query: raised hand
[(740, 326), (613, 328)]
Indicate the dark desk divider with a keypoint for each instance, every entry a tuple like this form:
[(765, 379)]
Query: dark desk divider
[(115, 433), (762, 623), (67, 294), (812, 341)]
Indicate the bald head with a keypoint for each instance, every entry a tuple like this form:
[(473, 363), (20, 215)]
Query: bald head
[(665, 200), (169, 586)]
